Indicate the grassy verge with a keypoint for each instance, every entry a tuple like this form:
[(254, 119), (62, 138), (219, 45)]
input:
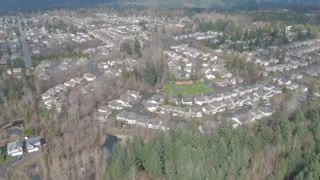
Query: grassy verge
[(6, 160)]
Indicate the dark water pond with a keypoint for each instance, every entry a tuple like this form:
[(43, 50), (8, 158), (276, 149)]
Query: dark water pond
[(35, 177), (110, 141)]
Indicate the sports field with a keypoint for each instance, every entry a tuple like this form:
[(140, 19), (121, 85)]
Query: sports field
[(194, 89)]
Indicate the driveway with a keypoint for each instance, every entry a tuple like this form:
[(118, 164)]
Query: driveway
[(3, 172)]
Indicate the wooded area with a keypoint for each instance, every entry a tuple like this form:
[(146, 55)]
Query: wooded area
[(285, 147)]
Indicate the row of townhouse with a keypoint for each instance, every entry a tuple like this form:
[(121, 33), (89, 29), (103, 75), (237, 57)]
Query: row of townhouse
[(294, 56), (182, 60), (45, 68), (17, 148), (246, 116), (293, 65), (153, 103), (177, 111), (52, 96), (313, 71), (286, 82), (102, 34), (80, 37), (116, 19), (178, 65), (199, 35), (141, 121), (126, 100), (111, 36), (239, 102), (103, 113), (296, 45), (192, 53), (212, 104), (114, 67)]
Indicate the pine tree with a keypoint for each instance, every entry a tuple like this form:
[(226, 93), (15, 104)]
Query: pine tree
[(153, 164), (150, 74), (137, 152), (120, 164), (137, 48)]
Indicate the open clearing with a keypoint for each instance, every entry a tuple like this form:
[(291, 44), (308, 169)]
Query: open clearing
[(187, 89)]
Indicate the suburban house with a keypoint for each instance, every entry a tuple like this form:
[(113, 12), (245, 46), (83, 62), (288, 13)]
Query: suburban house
[(142, 121), (103, 113), (49, 102), (277, 90), (242, 91), (230, 103), (196, 112), (133, 93), (126, 100), (89, 77), (187, 101), (70, 84), (165, 109), (77, 80), (46, 95), (209, 109), (151, 106), (227, 95), (200, 100), (220, 97), (211, 98), (99, 116), (61, 88), (105, 109), (256, 114), (156, 124), (293, 86), (303, 88), (33, 144), (157, 99), (126, 116), (178, 111), (114, 104), (268, 87), (242, 117), (15, 148), (234, 93), (265, 111), (174, 100), (210, 76)]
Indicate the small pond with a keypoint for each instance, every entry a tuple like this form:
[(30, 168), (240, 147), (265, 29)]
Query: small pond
[(35, 177), (110, 141)]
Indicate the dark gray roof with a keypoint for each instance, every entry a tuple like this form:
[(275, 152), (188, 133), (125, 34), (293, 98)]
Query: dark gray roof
[(33, 140), (150, 104), (14, 145), (187, 99)]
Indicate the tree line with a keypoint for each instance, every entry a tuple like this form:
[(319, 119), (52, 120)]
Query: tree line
[(239, 67), (269, 34), (126, 47)]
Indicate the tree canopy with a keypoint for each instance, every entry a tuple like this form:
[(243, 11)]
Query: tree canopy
[(284, 147)]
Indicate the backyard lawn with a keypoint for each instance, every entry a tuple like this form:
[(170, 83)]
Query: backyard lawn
[(197, 88)]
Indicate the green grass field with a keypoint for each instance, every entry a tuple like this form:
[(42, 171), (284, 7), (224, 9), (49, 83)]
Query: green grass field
[(187, 90)]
